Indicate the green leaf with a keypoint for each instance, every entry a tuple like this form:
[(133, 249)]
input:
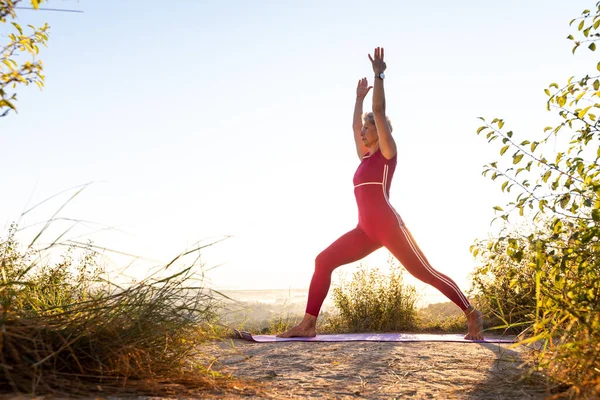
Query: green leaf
[(519, 171), (580, 96), (509, 133), (500, 124), (483, 127), (564, 201), (6, 103), (503, 150), (517, 158), (504, 185), (596, 215), (592, 46), (554, 185), (8, 63), (558, 226), (18, 28), (581, 25), (546, 176), (582, 113), (570, 37), (525, 142), (497, 208), (547, 92)]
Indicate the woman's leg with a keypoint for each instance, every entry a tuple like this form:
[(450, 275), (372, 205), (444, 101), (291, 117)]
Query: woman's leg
[(403, 246), (350, 247)]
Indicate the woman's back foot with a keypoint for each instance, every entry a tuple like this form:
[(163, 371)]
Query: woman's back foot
[(475, 325)]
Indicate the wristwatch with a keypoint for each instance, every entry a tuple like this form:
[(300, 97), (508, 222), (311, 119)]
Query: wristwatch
[(380, 76)]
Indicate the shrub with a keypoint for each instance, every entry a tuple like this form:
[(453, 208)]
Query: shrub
[(376, 301)]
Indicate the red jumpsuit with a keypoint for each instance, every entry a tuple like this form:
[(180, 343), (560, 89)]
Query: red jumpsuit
[(379, 225)]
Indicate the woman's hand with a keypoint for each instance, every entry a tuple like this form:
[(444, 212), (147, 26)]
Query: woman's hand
[(363, 88), (377, 62)]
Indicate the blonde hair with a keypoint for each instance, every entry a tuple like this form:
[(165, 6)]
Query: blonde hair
[(368, 117)]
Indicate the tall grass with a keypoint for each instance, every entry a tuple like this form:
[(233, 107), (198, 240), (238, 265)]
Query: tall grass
[(66, 328)]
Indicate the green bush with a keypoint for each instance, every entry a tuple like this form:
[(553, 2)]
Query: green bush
[(503, 283), (548, 281), (547, 285), (376, 301)]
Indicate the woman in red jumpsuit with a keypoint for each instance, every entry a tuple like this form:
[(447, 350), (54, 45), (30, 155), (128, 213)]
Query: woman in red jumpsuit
[(379, 225)]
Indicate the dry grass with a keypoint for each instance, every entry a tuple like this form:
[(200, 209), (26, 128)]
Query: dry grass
[(65, 328)]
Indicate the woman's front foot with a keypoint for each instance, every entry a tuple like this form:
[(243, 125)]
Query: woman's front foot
[(306, 328)]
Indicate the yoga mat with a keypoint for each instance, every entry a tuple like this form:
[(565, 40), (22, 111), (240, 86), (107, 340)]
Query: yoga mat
[(372, 337)]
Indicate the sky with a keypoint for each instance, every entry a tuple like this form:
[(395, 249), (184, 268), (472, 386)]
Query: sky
[(195, 120)]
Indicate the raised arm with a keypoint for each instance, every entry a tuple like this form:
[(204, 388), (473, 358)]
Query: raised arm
[(387, 145), (361, 91)]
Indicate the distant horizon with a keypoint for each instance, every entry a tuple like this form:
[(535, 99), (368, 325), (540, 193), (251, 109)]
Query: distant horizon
[(423, 301)]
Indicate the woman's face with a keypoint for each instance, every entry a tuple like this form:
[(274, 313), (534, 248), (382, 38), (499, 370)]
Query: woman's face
[(368, 134)]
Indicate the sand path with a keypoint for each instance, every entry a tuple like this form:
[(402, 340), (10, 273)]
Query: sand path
[(373, 370)]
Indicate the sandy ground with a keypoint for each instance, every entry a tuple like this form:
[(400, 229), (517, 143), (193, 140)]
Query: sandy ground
[(373, 370)]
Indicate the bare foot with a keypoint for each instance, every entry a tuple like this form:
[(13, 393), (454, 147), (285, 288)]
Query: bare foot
[(299, 331), (475, 324), (306, 328)]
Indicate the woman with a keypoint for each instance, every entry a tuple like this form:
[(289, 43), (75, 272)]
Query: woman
[(378, 223)]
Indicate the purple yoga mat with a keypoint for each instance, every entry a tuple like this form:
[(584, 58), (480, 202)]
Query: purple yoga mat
[(373, 337)]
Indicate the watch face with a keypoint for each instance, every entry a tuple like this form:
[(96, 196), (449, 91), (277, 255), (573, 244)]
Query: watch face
[(382, 75)]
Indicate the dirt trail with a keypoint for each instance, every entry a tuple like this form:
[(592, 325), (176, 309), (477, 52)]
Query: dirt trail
[(373, 370)]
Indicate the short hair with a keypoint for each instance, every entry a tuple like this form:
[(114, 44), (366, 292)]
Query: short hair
[(368, 116)]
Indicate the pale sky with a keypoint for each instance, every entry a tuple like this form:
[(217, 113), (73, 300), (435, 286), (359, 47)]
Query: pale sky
[(199, 119)]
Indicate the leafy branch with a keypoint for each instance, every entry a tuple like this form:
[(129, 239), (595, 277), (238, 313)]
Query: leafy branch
[(11, 72)]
